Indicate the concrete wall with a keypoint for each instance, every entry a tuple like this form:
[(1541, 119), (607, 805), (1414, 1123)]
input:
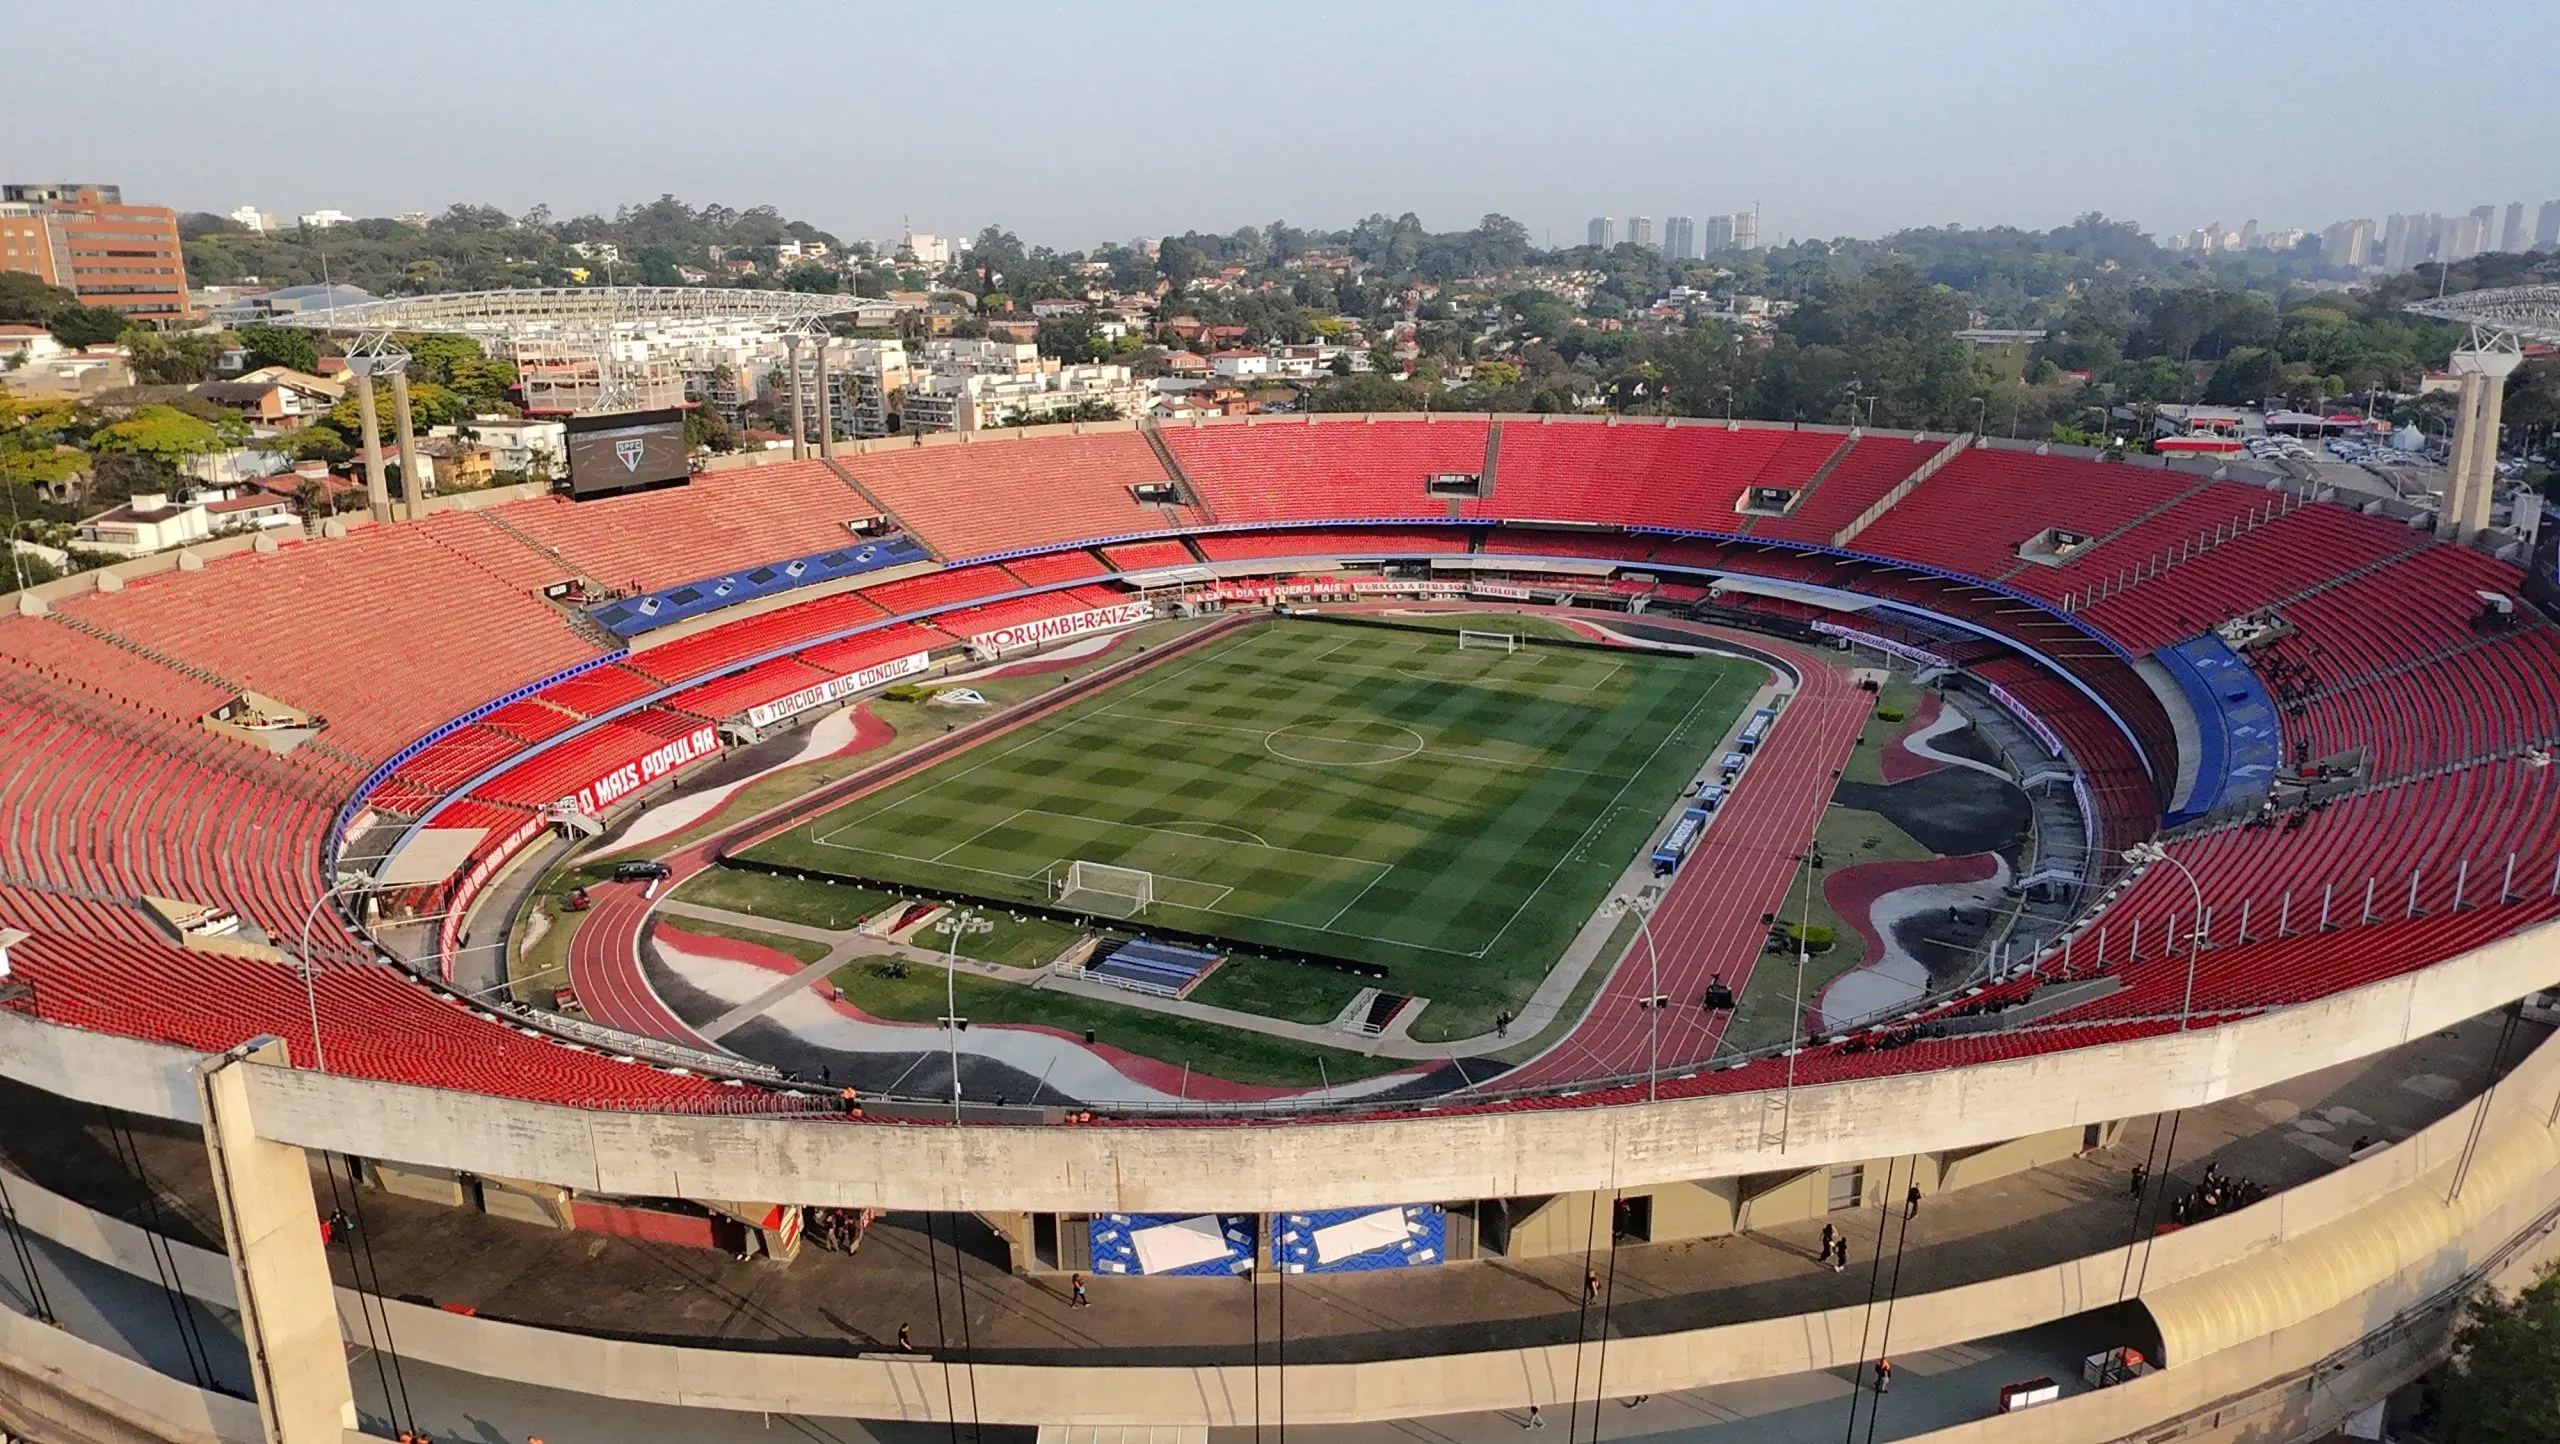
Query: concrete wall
[(58, 1387), (1212, 1168), (2508, 1192)]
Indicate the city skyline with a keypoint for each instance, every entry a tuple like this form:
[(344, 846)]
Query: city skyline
[(2154, 144)]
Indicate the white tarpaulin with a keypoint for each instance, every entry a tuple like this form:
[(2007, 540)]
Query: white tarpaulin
[(1355, 1236), (1165, 1247)]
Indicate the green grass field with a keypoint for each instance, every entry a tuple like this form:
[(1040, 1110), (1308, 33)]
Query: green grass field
[(1453, 815)]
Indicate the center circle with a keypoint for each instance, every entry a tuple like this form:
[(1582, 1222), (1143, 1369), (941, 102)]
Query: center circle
[(1303, 742)]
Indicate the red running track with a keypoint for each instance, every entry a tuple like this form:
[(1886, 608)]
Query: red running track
[(604, 958), (1708, 922)]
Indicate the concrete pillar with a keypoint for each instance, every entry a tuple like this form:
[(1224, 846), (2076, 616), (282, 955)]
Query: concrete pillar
[(406, 437), (799, 441), (826, 405), (271, 1229), (2471, 482), (377, 490)]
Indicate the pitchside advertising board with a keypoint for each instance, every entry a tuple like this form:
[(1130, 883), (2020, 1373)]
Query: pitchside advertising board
[(835, 687), (1059, 629), (616, 782), (625, 451)]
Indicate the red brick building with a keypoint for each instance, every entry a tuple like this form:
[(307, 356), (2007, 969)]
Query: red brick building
[(85, 239)]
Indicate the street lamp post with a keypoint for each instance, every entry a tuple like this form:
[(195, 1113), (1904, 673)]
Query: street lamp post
[(2144, 854), (347, 882), (961, 923), (1621, 906)]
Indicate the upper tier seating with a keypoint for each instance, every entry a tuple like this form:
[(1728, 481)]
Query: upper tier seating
[(1971, 516), (726, 520), (982, 497), (2214, 506), (380, 633), (2297, 551), (1364, 541), (1874, 466), (1687, 475), (1326, 470), (116, 803), (64, 656)]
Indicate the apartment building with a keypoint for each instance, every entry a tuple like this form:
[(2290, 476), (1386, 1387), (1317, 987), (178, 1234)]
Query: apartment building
[(85, 239)]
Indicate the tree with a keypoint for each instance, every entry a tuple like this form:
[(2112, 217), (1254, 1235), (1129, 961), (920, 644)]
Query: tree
[(160, 359), (163, 433), (2503, 1384), (78, 325), (26, 301), (429, 405), (289, 347)]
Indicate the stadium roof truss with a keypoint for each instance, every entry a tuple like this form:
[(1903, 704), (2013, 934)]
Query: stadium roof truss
[(583, 348), (2530, 313)]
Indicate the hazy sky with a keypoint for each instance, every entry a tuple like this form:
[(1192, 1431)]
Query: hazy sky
[(1072, 123)]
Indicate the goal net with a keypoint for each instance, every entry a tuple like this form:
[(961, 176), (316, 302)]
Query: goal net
[(1131, 890), (1488, 641)]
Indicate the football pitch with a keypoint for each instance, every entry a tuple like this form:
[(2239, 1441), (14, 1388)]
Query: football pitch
[(1451, 815)]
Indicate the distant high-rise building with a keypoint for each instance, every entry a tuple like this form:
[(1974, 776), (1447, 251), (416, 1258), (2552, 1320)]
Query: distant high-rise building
[(1746, 230), (1604, 232), (2399, 249), (2348, 243), (1719, 235), (2511, 238), (2546, 227), (1640, 230), (1680, 238), (2248, 235), (2462, 237)]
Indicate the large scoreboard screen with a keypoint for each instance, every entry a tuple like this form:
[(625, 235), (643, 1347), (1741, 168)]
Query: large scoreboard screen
[(625, 451)]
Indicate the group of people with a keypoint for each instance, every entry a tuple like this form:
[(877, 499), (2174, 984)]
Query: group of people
[(2270, 815), (838, 1229), (2216, 1194)]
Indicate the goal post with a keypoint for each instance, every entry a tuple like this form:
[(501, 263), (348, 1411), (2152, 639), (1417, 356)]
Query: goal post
[(1134, 887), (1488, 641)]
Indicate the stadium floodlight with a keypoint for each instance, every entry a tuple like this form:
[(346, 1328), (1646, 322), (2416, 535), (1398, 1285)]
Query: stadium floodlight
[(1134, 885), (1492, 641), (2148, 854), (956, 924)]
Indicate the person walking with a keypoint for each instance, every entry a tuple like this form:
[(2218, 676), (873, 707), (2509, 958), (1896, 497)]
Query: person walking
[(1840, 1254), (906, 1345), (1590, 1286), (1075, 1293), (1911, 1204), (1884, 1376), (1830, 1236), (1535, 1420), (2141, 1178)]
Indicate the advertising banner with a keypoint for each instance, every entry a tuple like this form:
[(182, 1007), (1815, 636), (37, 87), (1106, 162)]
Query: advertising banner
[(833, 688), (1059, 629)]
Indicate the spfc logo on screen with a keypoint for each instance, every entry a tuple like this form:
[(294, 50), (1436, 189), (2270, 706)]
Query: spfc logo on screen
[(628, 453)]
